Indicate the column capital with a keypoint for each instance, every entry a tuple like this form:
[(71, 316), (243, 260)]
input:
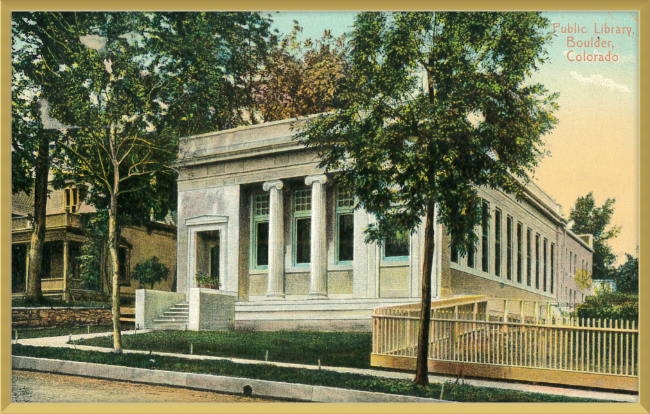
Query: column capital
[(322, 179), (273, 184)]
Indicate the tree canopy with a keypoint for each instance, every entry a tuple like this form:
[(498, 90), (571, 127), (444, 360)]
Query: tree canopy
[(437, 104), (301, 77), (627, 275), (127, 85), (587, 218)]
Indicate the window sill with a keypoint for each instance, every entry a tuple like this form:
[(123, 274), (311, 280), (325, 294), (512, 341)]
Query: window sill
[(305, 269), (340, 267), (395, 262)]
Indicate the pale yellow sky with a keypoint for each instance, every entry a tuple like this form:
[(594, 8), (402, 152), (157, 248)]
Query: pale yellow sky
[(595, 144)]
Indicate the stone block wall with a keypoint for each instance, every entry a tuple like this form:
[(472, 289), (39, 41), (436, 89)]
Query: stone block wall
[(64, 316), (211, 310)]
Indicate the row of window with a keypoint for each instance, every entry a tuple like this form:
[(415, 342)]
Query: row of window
[(396, 248), (536, 247), (573, 262)]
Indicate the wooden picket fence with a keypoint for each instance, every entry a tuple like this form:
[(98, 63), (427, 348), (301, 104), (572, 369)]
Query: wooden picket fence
[(543, 348)]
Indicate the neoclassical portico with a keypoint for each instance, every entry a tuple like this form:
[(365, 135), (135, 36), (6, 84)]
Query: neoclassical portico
[(291, 242), (318, 242)]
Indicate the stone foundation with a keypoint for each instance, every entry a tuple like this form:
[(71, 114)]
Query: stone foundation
[(64, 316)]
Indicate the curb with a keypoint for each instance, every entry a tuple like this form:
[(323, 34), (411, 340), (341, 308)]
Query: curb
[(230, 385)]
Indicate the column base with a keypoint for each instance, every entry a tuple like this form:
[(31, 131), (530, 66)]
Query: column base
[(275, 296), (317, 295)]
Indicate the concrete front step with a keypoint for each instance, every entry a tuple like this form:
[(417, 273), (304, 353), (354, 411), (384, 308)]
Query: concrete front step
[(169, 327), (171, 320), (176, 318)]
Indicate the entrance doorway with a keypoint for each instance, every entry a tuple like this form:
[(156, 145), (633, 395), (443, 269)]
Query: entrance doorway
[(208, 256)]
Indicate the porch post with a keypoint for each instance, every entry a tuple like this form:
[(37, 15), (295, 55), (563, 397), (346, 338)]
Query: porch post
[(275, 277), (66, 249), (27, 268), (318, 253)]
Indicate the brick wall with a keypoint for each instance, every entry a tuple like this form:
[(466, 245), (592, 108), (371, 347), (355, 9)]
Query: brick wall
[(41, 317)]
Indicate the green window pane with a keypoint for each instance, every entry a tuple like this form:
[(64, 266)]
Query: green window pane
[(509, 248), (454, 253), (262, 243), (497, 243), (346, 237), (529, 256), (485, 211), (345, 198), (537, 261), (397, 246), (519, 251), (262, 205), (303, 240), (303, 200)]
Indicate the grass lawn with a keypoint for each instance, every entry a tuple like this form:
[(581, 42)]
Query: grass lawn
[(339, 349), (25, 333), (453, 392)]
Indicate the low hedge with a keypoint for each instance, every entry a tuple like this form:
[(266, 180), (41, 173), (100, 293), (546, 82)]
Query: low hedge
[(610, 305)]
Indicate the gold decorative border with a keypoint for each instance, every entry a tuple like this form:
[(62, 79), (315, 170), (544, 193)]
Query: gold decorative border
[(642, 6)]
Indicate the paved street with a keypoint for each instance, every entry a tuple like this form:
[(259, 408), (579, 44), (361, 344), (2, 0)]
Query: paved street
[(27, 386)]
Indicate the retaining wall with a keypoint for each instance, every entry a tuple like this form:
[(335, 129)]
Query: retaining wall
[(59, 316)]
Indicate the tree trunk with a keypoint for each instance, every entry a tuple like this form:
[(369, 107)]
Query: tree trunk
[(40, 203), (422, 371), (115, 271)]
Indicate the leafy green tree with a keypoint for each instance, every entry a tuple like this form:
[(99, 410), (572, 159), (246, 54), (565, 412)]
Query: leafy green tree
[(150, 272), (30, 151), (93, 251), (93, 78), (627, 275), (588, 219), (220, 76), (437, 105), (583, 279), (129, 84)]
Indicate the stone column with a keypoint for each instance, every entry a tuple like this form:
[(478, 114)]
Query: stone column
[(318, 252), (275, 276)]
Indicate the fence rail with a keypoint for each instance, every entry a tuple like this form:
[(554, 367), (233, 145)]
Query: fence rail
[(594, 346)]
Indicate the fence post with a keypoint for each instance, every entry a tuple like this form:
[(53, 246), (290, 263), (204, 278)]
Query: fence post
[(408, 332), (536, 312)]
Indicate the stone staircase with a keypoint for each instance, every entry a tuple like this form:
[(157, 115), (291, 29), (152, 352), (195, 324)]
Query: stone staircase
[(175, 318)]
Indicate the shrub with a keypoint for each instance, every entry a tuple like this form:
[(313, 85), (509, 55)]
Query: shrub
[(150, 272), (610, 305)]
